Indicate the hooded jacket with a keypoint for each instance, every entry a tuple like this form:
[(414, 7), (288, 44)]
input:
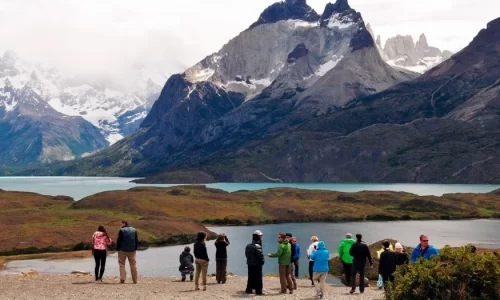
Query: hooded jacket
[(221, 247), (321, 256), (284, 253), (100, 241), (388, 262), (186, 260), (344, 248)]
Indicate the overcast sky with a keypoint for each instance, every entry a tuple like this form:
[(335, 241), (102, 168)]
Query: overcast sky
[(109, 35)]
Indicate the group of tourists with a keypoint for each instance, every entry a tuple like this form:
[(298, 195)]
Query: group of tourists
[(354, 255)]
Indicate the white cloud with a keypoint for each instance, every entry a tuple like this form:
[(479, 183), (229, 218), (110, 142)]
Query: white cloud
[(108, 36)]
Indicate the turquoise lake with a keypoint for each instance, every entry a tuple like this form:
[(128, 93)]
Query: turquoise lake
[(80, 187)]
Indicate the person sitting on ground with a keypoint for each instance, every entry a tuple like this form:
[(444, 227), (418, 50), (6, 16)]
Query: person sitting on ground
[(312, 247), (423, 250), (321, 257), (221, 258), (360, 253), (100, 242), (387, 264), (401, 254), (255, 261), (345, 257), (186, 260)]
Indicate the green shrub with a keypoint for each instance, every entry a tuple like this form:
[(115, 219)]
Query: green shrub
[(454, 274)]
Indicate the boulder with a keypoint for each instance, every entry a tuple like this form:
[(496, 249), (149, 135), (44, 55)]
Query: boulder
[(30, 273)]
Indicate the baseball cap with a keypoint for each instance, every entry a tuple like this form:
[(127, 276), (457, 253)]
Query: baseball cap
[(258, 232)]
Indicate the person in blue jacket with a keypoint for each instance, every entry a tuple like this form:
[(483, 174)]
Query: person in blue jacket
[(295, 258), (423, 250), (320, 269)]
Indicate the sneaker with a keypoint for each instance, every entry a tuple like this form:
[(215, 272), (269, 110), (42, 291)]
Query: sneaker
[(204, 287), (352, 291), (122, 281), (196, 288)]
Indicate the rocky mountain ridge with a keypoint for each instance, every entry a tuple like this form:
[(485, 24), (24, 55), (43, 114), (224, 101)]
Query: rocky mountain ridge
[(402, 52)]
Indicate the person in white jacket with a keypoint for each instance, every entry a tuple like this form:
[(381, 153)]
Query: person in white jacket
[(310, 250)]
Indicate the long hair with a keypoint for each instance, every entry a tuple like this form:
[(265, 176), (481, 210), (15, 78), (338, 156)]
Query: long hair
[(103, 230)]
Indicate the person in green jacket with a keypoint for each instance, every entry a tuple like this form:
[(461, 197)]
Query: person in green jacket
[(284, 256), (345, 257)]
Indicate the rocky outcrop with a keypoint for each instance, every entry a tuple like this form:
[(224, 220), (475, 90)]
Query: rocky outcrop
[(402, 52)]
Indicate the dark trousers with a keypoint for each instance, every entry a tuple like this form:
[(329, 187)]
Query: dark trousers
[(296, 266), (311, 264), (220, 267), (100, 263), (347, 272), (254, 280), (358, 268), (386, 278)]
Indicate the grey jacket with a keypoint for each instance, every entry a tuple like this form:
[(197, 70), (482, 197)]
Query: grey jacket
[(127, 239)]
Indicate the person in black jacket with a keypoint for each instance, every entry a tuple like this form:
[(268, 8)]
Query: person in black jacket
[(289, 237), (201, 255), (401, 254), (360, 253), (126, 245), (187, 261), (221, 257), (255, 261), (387, 264)]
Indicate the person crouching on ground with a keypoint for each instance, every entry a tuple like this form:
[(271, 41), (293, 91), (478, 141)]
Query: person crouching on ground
[(284, 254), (201, 255), (127, 244), (186, 260), (221, 258), (387, 264), (255, 261), (312, 247), (321, 257), (100, 242)]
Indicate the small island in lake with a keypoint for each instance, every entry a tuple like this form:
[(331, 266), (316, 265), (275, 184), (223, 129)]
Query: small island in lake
[(34, 223)]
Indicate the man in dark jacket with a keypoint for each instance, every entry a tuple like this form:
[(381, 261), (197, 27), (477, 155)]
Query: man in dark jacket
[(255, 261), (387, 264), (360, 253), (289, 237), (126, 244)]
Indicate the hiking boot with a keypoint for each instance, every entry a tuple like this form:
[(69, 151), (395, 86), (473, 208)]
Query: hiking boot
[(122, 281), (352, 291)]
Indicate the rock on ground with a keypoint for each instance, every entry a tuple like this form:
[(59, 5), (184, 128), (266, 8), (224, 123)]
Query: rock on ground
[(84, 287)]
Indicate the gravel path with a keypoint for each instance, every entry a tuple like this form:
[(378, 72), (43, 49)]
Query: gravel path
[(83, 287)]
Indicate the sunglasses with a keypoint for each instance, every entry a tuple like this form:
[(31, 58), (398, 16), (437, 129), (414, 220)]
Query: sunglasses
[(425, 240)]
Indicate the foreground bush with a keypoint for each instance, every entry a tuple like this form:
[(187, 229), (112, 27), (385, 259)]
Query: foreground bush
[(455, 274)]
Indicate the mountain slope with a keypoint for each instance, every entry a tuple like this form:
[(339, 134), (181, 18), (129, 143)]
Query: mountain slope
[(272, 77), (31, 132), (115, 110), (441, 127)]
